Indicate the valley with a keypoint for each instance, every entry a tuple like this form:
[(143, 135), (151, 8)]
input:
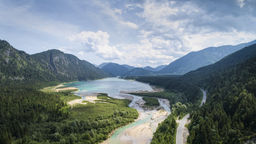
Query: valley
[(204, 97), (142, 129)]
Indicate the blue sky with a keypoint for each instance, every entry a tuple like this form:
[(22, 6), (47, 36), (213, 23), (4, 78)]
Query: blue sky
[(134, 32)]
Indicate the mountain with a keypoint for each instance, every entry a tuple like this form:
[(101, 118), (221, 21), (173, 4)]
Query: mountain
[(229, 61), (68, 66), (201, 58), (158, 68), (17, 65), (102, 65), (139, 72), (149, 68), (52, 65), (115, 69), (128, 66)]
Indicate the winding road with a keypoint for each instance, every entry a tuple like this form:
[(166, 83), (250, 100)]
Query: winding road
[(182, 131), (204, 97)]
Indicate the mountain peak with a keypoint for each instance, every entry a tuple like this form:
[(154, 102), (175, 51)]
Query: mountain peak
[(4, 44)]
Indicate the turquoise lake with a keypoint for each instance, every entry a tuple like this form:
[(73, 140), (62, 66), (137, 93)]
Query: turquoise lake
[(111, 86)]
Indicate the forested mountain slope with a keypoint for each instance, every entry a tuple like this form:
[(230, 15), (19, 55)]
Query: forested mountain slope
[(230, 112), (17, 65), (52, 65), (68, 66)]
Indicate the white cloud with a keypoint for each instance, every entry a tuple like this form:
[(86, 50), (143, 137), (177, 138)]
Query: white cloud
[(176, 22), (118, 11), (200, 41), (97, 42), (241, 3), (167, 15), (115, 14), (129, 24), (150, 50)]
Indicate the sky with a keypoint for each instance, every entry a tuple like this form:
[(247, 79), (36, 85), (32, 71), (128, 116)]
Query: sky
[(135, 32)]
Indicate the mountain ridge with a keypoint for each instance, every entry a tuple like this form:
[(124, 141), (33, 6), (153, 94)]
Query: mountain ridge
[(51, 65), (207, 56)]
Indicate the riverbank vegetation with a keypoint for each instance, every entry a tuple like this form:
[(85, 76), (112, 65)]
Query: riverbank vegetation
[(150, 102), (171, 96), (30, 116)]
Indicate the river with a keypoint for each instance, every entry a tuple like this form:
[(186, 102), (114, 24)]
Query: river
[(142, 129)]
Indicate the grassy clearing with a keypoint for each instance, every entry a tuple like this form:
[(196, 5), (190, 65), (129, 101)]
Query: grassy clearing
[(109, 108), (67, 96)]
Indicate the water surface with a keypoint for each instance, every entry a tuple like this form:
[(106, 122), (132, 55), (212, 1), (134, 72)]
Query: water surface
[(112, 86)]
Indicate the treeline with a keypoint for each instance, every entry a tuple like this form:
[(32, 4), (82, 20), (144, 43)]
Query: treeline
[(188, 93), (30, 116), (230, 112)]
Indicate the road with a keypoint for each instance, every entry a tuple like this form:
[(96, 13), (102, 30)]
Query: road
[(182, 132), (181, 129), (204, 97)]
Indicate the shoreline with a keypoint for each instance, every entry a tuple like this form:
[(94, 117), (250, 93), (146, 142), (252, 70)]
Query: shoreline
[(59, 88)]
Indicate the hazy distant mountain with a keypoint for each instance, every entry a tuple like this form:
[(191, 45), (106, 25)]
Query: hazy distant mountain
[(52, 65), (149, 68), (128, 66), (225, 63), (115, 69), (139, 72), (201, 58), (102, 65), (158, 68)]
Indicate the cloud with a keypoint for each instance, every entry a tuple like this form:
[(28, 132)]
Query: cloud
[(129, 24), (195, 25), (241, 3), (151, 50), (115, 14), (118, 11), (199, 41), (96, 42), (170, 30)]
